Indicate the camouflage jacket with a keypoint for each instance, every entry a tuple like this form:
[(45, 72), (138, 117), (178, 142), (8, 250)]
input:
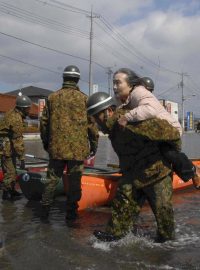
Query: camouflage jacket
[(137, 147), (65, 130), (11, 133), (93, 134)]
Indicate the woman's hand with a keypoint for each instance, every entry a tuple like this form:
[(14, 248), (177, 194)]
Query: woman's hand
[(122, 121)]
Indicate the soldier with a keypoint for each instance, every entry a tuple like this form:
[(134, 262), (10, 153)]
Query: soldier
[(64, 132), (11, 130), (145, 173)]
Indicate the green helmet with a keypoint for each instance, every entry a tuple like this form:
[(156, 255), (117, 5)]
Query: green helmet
[(23, 101), (71, 72), (147, 83), (98, 102)]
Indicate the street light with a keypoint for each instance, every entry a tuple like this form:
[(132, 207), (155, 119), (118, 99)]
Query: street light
[(184, 98)]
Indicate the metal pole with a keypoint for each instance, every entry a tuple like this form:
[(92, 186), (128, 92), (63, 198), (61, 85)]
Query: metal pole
[(90, 66), (182, 101), (109, 72), (91, 50)]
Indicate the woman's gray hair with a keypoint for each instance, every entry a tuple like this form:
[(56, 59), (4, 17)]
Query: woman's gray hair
[(132, 78)]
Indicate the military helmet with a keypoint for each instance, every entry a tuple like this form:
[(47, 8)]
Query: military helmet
[(71, 72), (148, 83), (23, 101), (98, 102)]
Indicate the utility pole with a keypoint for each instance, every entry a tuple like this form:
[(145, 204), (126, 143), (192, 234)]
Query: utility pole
[(109, 72), (91, 49), (182, 100), (182, 103)]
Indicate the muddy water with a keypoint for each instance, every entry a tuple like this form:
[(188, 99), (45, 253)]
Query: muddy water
[(26, 243)]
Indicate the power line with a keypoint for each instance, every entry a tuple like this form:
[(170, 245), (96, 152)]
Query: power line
[(25, 63), (74, 9), (115, 34), (108, 28), (34, 18), (193, 82), (193, 89), (69, 8), (168, 90), (32, 65), (123, 42), (134, 51), (48, 48), (117, 54)]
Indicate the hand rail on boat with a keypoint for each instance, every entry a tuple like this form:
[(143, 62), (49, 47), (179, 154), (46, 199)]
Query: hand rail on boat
[(88, 170)]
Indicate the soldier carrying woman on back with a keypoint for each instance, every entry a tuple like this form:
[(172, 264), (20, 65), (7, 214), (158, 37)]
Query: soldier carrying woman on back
[(146, 151), (135, 95)]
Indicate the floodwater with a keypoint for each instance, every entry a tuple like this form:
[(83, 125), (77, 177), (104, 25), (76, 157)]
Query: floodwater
[(28, 244)]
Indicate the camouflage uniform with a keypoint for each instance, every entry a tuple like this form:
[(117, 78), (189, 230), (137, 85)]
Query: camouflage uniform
[(65, 131), (145, 174), (11, 133), (93, 135)]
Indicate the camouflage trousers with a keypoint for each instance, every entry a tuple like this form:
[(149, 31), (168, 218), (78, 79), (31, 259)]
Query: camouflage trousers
[(8, 165), (55, 172), (128, 202)]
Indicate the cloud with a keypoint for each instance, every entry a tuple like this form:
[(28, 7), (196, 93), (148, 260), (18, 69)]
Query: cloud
[(142, 35)]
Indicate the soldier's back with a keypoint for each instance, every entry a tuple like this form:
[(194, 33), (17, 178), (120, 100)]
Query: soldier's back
[(68, 124)]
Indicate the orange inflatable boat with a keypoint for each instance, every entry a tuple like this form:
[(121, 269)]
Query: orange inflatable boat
[(98, 185)]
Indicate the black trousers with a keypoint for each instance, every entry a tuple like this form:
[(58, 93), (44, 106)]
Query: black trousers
[(181, 164)]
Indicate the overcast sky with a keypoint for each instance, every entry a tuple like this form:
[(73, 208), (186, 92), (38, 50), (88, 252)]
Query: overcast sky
[(155, 38)]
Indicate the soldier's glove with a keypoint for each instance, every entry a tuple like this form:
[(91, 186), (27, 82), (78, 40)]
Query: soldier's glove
[(22, 165), (92, 154)]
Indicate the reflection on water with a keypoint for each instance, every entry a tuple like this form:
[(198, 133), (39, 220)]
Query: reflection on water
[(30, 244)]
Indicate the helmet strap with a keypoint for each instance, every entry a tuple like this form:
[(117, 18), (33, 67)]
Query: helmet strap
[(106, 115), (23, 111), (70, 80)]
